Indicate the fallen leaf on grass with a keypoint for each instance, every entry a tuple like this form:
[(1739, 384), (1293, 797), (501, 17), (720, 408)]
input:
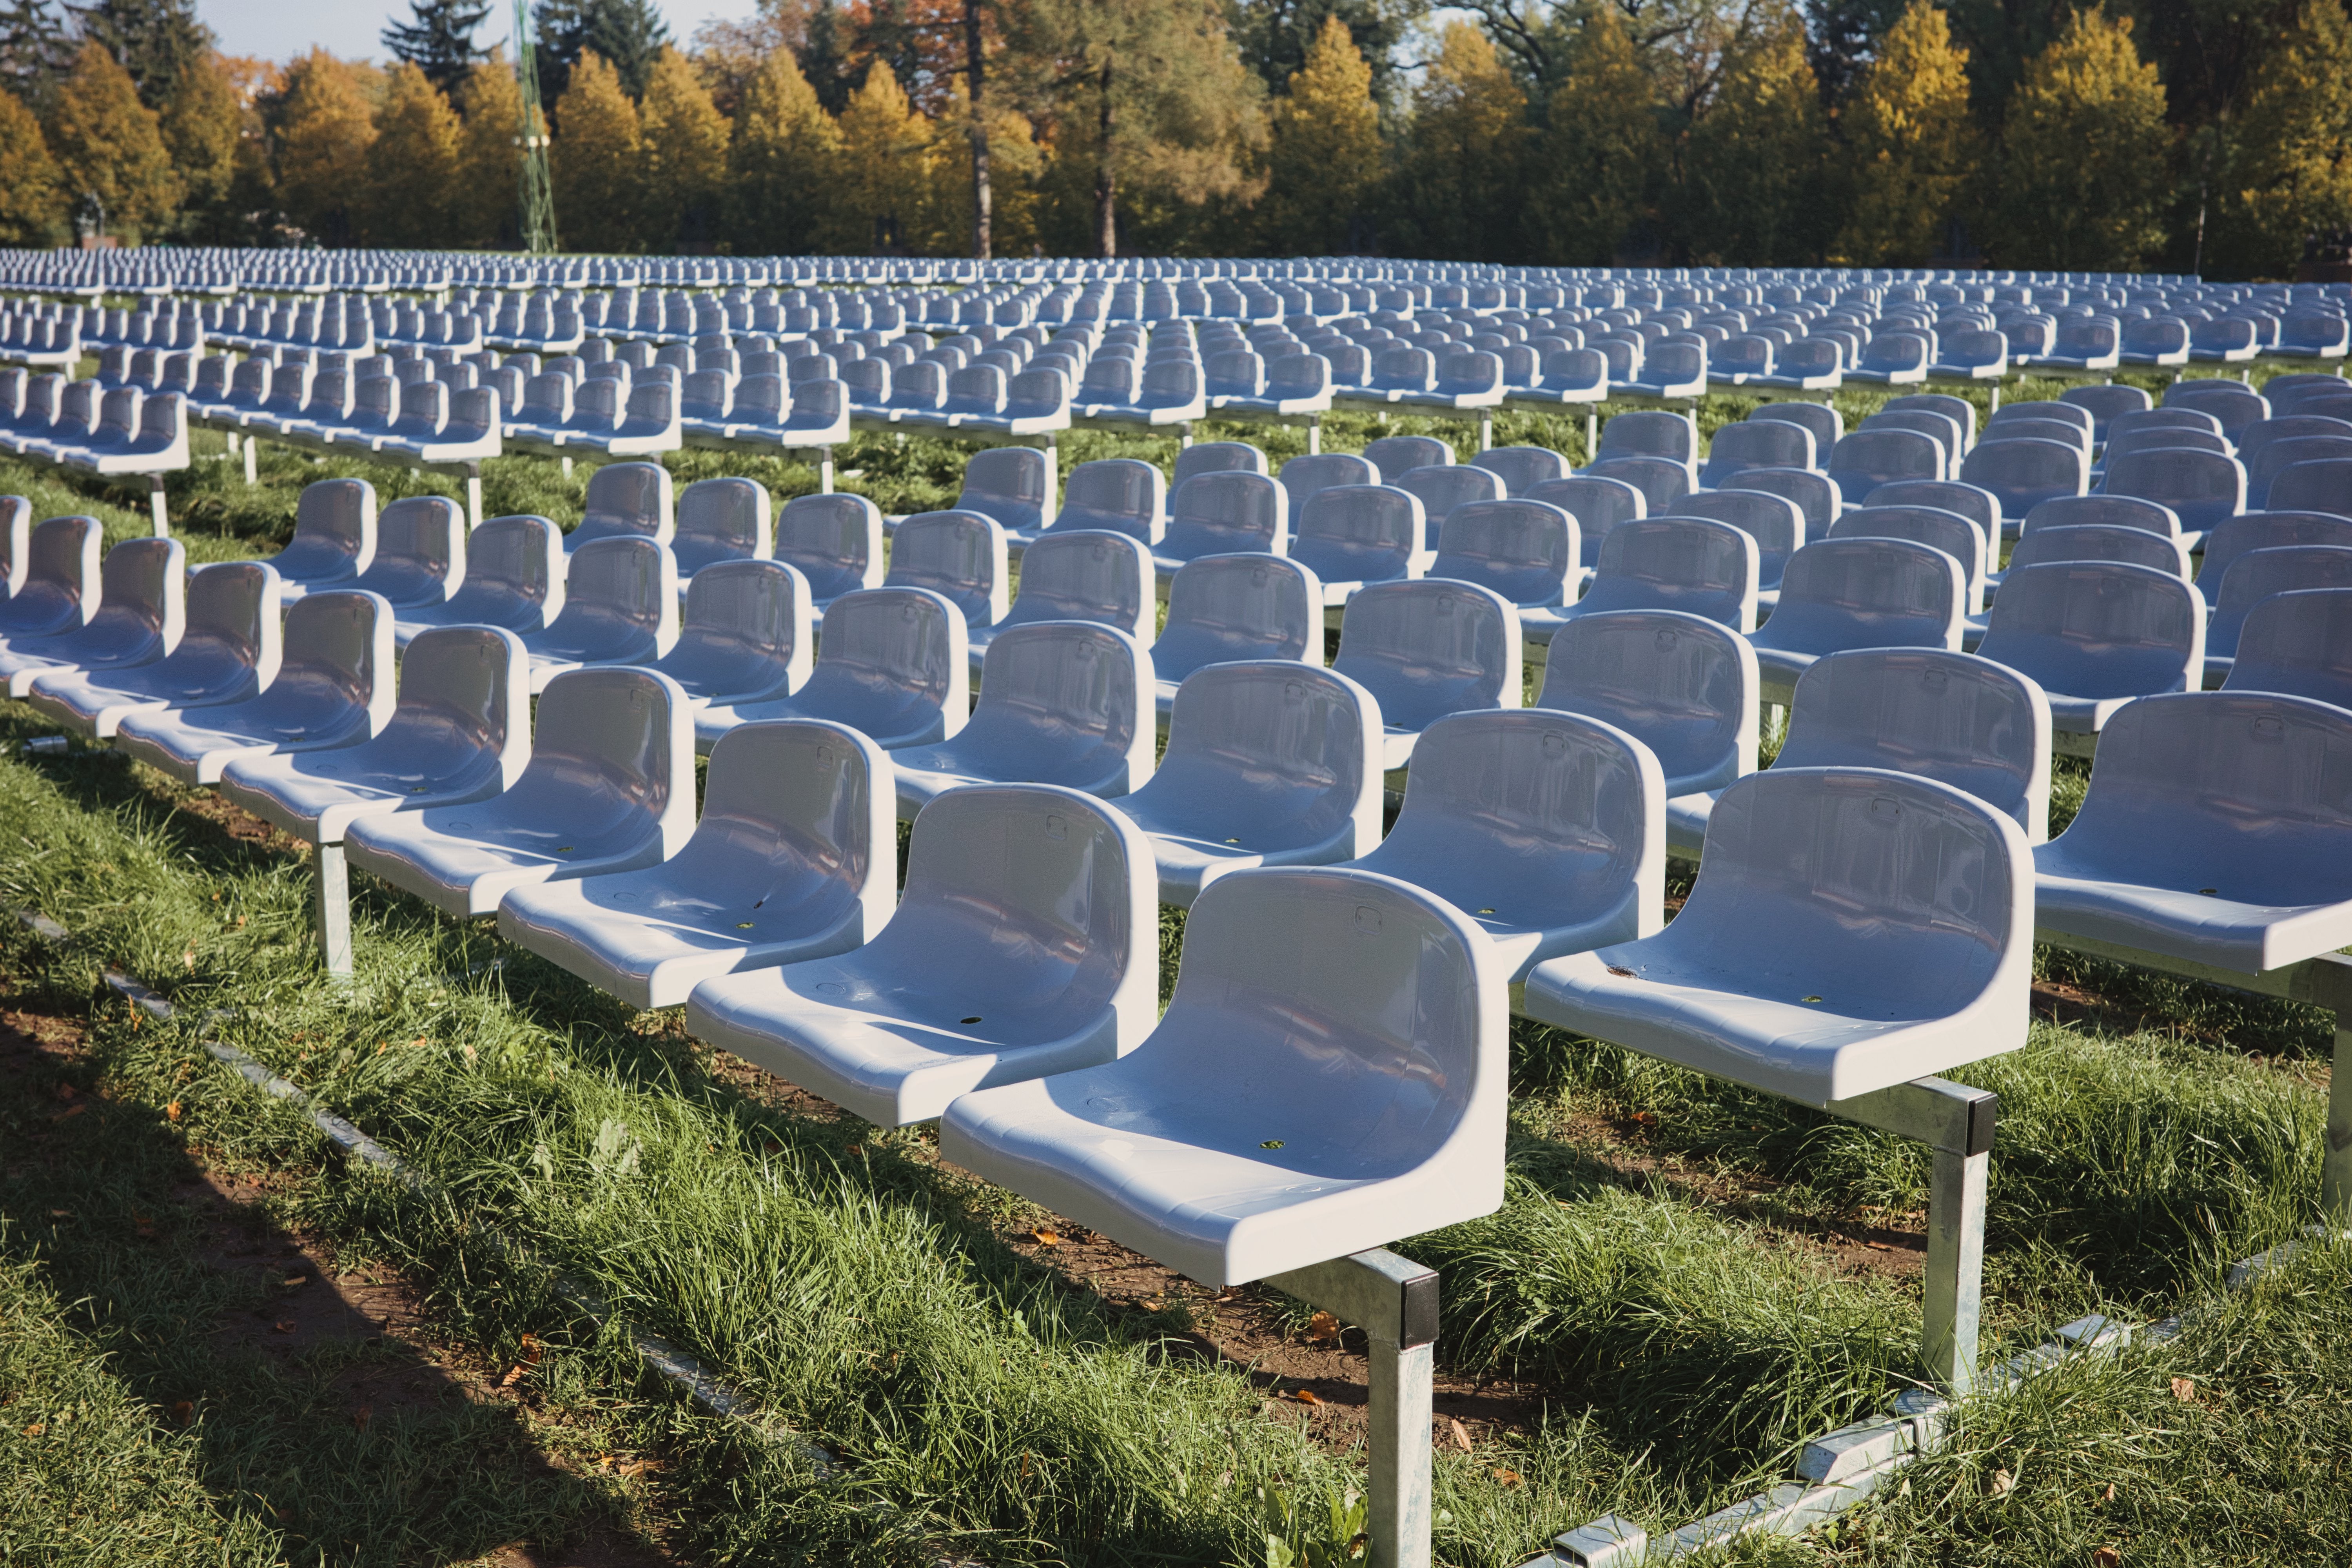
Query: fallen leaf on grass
[(1305, 1397), (1461, 1433), (285, 1328), (1508, 1477), (61, 1213), (69, 1112), (362, 1416), (1323, 1328), (2107, 1557), (294, 1280), (171, 1112), (2184, 1389), (2003, 1483), (36, 1429), (2108, 1495), (184, 1411), (1046, 1237), (65, 1091)]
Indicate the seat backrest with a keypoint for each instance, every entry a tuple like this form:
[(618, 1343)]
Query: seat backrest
[(2298, 643), (339, 642), (2237, 786), (627, 499), (1295, 738), (1778, 523), (624, 581), (512, 561), (722, 519), (1521, 467), (1227, 510), (2235, 406), (2022, 474), (815, 800), (1690, 563), (1064, 694), (1125, 495), (1757, 444), (1523, 549), (1218, 457), (1940, 428), (2135, 422), (1861, 462), (1651, 433), (1087, 574), (1004, 878), (1953, 717), (2201, 488), (1957, 536), (958, 554), (1870, 591), (1816, 497), (1826, 423), (2278, 455), (898, 645), (621, 738), (334, 526), (16, 543), (2262, 433), (1975, 503), (2101, 541), (143, 585), (1015, 485), (1442, 487), (2256, 574), (744, 609), (2265, 530), (234, 621), (464, 688), (420, 542), (2105, 403), (1662, 481), (1390, 456), (2098, 629), (2119, 442), (834, 540), (1240, 607), (1427, 648), (1349, 533), (1684, 685), (2120, 511), (59, 576), (1929, 889), (1302, 477), (2319, 485)]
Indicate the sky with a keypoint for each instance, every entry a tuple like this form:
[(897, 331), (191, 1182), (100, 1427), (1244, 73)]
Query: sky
[(276, 29)]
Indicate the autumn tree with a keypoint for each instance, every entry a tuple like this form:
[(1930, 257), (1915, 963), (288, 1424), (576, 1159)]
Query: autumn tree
[(1601, 150), (1157, 108), (29, 195), (201, 123), (1456, 190), (1909, 146), (2081, 178), (412, 165), (110, 146), (1015, 161), (597, 160), (882, 186), (684, 142), (490, 164), (781, 161), (324, 131), (2290, 172), (1278, 38), (1324, 158), (624, 34), (1758, 155), (156, 41)]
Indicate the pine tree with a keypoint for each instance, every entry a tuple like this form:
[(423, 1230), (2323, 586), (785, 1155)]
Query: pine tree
[(2291, 173), (324, 132), (2081, 177), (597, 160), (31, 212), (155, 40), (1602, 153), (882, 186), (625, 34), (1278, 37), (412, 165), (684, 143), (1325, 156), (781, 163), (108, 146), (439, 39), (490, 164), (1456, 191), (1908, 143), (201, 123), (1758, 155), (34, 50)]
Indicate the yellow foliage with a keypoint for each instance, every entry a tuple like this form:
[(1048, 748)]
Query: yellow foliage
[(1908, 143), (413, 163), (684, 141), (1326, 153), (782, 161), (2081, 179), (322, 146), (2291, 175), (107, 144), (884, 187), (30, 210), (595, 160), (490, 164), (1602, 150)]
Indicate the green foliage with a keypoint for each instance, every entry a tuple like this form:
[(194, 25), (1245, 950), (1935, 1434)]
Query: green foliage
[(439, 39), (1456, 191), (2080, 182), (1325, 156), (2289, 171), (1602, 157)]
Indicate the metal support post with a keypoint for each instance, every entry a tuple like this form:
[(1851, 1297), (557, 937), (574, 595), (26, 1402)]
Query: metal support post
[(567, 465), (1314, 434), (250, 476), (156, 513), (1591, 433), (473, 494), (333, 911), (1184, 436), (1394, 1301), (1053, 449), (825, 470), (1956, 1123), (1996, 399), (1485, 430), (2335, 1159)]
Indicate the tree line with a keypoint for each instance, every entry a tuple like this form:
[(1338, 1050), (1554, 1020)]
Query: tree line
[(2213, 134)]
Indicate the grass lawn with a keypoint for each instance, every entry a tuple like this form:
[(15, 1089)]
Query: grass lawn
[(221, 1343)]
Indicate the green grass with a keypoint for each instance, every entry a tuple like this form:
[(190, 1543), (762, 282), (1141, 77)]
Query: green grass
[(980, 1405)]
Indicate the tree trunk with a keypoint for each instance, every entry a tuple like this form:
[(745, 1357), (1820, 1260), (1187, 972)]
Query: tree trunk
[(1105, 175), (982, 200)]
